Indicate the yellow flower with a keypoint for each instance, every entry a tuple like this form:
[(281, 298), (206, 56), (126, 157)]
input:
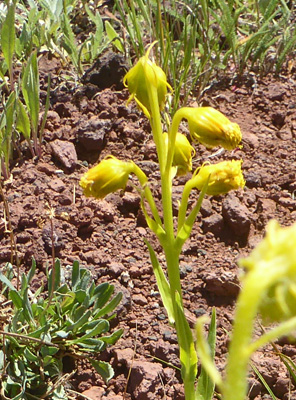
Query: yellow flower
[(183, 153), (137, 79), (273, 262), (211, 128), (221, 177), (108, 176)]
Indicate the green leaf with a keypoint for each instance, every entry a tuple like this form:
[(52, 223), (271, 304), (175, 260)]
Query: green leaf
[(112, 338), (188, 355), (104, 297), (80, 295), (30, 356), (30, 89), (6, 282), (101, 326), (103, 368), (265, 384), (99, 291), (8, 36), (67, 302), (23, 121), (92, 344), (27, 309), (162, 284), (205, 385), (110, 306), (24, 284), (31, 273), (75, 274), (78, 324), (56, 276), (113, 36), (38, 332), (48, 351), (16, 299)]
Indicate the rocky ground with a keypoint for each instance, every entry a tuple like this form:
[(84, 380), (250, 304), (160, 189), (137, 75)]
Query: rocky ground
[(89, 121)]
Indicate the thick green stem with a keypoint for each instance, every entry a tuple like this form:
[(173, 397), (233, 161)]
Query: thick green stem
[(172, 253)]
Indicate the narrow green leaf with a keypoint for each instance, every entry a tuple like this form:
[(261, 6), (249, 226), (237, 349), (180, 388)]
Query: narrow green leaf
[(8, 36), (30, 89), (56, 276), (48, 350), (75, 274), (188, 355), (113, 36), (16, 299), (162, 284), (78, 324), (31, 273), (205, 385), (101, 327), (30, 356), (23, 121), (110, 306), (92, 344), (263, 381), (27, 309), (111, 339), (104, 297), (6, 282)]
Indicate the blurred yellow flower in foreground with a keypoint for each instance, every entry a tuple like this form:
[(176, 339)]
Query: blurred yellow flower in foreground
[(108, 176), (273, 263), (211, 128), (221, 177)]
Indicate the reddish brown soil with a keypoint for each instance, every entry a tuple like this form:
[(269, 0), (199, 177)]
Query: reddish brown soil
[(85, 124)]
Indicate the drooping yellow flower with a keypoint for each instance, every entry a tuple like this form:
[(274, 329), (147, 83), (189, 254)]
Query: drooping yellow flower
[(108, 176), (273, 262), (137, 79), (221, 177), (211, 128), (183, 153)]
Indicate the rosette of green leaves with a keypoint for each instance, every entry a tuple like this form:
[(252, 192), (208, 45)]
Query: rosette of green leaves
[(42, 330)]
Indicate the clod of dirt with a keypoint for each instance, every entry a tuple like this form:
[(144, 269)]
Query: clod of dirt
[(145, 379), (107, 71), (235, 215), (65, 153)]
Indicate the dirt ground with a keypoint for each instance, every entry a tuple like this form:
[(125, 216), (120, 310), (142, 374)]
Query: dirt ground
[(89, 121)]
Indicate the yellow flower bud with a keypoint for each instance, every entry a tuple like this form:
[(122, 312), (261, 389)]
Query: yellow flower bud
[(108, 176), (221, 177), (183, 153), (137, 79), (211, 128), (273, 261)]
